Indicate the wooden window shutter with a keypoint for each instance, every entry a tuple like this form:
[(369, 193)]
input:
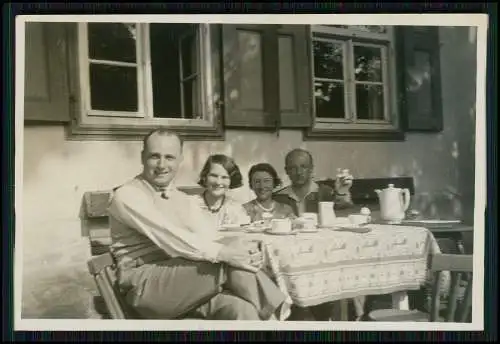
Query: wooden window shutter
[(47, 95), (298, 115), (256, 105), (419, 65)]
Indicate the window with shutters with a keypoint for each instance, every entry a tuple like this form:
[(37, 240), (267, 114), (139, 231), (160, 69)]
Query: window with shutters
[(374, 82), (332, 81), (137, 76), (353, 70)]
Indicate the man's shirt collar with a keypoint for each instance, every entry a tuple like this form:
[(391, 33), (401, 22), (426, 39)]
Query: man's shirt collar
[(313, 187), (164, 191)]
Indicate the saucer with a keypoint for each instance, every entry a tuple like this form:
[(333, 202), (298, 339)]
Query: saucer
[(281, 233), (315, 230), (256, 229), (353, 228), (231, 228)]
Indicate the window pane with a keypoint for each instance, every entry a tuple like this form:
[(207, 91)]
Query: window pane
[(252, 90), (420, 94), (328, 60), (287, 74), (192, 106), (368, 63), (329, 97), (113, 88), (165, 42), (189, 53), (112, 41), (370, 102)]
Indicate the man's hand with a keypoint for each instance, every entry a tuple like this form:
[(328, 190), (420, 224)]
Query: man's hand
[(343, 181), (242, 254)]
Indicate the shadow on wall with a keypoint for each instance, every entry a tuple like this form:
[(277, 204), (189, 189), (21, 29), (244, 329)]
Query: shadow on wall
[(460, 101), (439, 205), (451, 193)]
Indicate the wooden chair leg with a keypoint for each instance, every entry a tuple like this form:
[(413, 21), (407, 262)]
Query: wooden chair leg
[(359, 305), (344, 310)]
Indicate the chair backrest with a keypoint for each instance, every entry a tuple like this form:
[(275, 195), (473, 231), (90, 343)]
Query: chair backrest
[(457, 265), (95, 220)]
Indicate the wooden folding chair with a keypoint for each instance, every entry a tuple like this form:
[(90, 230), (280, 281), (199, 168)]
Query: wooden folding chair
[(456, 310), (102, 269)]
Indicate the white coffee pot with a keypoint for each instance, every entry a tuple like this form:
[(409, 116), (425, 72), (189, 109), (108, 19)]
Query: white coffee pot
[(394, 203)]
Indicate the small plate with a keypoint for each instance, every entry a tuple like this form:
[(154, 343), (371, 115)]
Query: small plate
[(256, 229), (307, 230), (231, 228), (354, 229), (281, 233)]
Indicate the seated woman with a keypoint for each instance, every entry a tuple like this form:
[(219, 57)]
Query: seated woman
[(263, 179), (220, 174)]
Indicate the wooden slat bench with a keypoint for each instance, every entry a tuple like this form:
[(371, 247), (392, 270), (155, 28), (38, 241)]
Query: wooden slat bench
[(363, 189)]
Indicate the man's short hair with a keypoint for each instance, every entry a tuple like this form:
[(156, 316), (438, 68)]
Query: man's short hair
[(162, 132), (296, 151)]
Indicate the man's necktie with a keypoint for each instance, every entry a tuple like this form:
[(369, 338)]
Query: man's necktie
[(163, 192)]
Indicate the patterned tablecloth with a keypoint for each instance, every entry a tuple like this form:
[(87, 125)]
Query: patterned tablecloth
[(312, 268)]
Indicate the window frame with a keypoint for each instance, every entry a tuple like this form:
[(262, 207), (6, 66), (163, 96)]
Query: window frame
[(347, 128), (112, 125)]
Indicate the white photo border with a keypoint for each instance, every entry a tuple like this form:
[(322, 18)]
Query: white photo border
[(480, 21)]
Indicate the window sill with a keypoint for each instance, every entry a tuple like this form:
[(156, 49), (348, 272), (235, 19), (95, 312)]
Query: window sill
[(135, 132), (367, 135)]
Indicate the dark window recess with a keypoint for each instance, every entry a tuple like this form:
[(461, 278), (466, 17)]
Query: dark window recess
[(370, 102), (421, 94), (113, 88), (329, 99), (175, 72), (112, 41)]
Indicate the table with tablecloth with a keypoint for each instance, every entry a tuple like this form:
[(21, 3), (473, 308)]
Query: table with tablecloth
[(329, 265)]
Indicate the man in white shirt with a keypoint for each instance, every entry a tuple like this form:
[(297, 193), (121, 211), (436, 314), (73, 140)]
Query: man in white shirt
[(169, 266)]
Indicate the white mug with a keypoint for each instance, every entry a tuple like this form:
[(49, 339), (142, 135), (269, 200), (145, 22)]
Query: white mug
[(326, 214), (309, 220), (281, 225), (313, 217), (358, 219), (267, 218)]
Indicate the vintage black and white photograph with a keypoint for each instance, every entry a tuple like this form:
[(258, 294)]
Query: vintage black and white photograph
[(286, 170)]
